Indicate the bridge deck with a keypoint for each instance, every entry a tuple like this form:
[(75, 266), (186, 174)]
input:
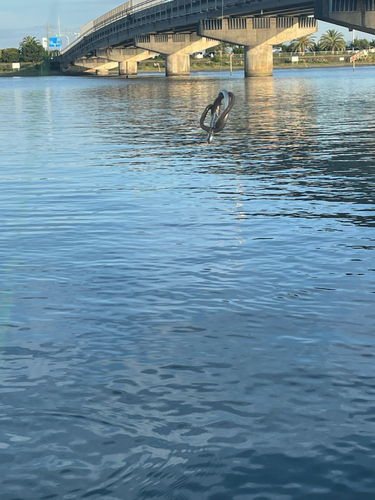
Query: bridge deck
[(176, 16)]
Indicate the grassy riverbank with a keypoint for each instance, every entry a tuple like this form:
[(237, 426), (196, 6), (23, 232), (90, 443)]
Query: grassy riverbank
[(288, 60), (28, 69), (283, 60)]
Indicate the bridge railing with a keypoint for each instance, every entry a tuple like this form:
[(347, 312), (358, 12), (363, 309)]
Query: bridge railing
[(284, 22), (114, 14), (307, 22), (120, 12)]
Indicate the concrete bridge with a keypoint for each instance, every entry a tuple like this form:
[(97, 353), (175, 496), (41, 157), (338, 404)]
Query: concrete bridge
[(139, 29)]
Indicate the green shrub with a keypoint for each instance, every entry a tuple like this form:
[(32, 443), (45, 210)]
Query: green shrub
[(10, 55)]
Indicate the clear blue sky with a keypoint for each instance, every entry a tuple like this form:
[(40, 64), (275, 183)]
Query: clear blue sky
[(20, 18)]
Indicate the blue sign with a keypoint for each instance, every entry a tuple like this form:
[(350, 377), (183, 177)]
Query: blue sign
[(55, 42)]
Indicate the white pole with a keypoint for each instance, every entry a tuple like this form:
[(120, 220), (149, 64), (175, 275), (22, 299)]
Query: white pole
[(48, 38), (67, 38), (58, 34)]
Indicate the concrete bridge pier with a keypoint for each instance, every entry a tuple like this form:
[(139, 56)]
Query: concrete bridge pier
[(177, 64), (96, 65), (258, 35), (177, 49), (128, 68), (127, 59), (258, 60)]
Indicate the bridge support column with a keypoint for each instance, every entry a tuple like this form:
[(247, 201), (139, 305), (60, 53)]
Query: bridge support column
[(258, 60), (258, 35), (177, 49), (128, 68), (177, 64), (127, 59)]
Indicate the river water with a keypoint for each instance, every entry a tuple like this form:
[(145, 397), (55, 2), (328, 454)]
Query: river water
[(186, 321)]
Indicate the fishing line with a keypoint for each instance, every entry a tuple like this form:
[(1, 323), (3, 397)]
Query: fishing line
[(219, 113)]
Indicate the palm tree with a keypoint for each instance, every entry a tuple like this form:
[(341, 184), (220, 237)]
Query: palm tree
[(332, 40), (29, 39), (302, 43), (31, 49)]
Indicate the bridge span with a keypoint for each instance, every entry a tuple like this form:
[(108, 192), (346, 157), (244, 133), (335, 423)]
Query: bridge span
[(137, 30)]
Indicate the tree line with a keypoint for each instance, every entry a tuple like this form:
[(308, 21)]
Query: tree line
[(331, 41), (29, 50)]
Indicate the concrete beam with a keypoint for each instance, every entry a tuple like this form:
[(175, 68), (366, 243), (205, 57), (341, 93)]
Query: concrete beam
[(258, 35), (72, 68), (253, 31), (128, 68), (121, 55), (177, 49), (98, 65), (350, 14), (127, 59)]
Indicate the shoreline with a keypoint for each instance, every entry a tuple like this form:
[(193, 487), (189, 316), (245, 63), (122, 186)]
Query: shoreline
[(141, 70), (289, 66)]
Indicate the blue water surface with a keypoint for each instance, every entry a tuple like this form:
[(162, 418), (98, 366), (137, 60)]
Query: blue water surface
[(180, 320)]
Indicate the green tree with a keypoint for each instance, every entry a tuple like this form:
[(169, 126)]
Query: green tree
[(286, 47), (332, 40), (238, 49), (10, 55), (302, 43), (53, 53), (221, 48), (361, 43), (31, 50), (316, 47)]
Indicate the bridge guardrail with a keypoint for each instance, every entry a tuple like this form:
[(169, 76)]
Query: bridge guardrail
[(284, 22), (237, 23), (261, 22), (120, 12), (212, 24), (307, 22)]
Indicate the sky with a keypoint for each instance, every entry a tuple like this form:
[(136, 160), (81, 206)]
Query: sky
[(20, 18)]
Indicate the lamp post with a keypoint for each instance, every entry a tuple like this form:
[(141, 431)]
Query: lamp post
[(66, 36)]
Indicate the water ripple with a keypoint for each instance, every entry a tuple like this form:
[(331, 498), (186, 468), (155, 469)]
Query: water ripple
[(183, 321)]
